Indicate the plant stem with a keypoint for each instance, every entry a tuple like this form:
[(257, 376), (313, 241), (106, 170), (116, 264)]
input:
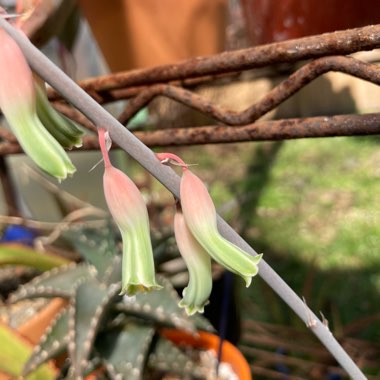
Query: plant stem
[(127, 141)]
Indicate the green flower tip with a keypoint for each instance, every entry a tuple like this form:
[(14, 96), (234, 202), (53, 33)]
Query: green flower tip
[(253, 270), (192, 308), (133, 289)]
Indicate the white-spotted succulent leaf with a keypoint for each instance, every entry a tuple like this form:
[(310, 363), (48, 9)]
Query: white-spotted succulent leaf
[(168, 358), (58, 282), (52, 343), (98, 246), (122, 361), (159, 306), (89, 305)]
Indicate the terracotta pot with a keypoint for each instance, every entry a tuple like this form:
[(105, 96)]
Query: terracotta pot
[(15, 352), (144, 33), (207, 341), (35, 327), (277, 20)]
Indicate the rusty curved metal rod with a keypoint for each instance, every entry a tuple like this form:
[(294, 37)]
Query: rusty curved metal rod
[(336, 43), (272, 99), (285, 129)]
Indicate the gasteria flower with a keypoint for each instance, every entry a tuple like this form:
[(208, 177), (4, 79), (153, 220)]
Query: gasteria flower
[(128, 209), (18, 104), (200, 216), (198, 262)]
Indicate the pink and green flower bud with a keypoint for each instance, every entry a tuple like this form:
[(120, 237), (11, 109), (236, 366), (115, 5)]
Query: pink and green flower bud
[(200, 215), (198, 262), (61, 128), (129, 212), (18, 104)]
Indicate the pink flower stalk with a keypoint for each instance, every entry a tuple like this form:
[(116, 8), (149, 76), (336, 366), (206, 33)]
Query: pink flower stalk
[(198, 262), (129, 211), (18, 104), (200, 216)]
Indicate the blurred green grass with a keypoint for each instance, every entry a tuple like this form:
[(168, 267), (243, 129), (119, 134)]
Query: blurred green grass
[(312, 207)]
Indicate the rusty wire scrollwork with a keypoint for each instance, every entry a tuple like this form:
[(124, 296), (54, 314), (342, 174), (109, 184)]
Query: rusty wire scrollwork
[(177, 81)]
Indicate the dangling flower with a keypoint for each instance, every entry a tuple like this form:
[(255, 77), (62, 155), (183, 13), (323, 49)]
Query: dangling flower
[(198, 262), (200, 216), (18, 104), (128, 209)]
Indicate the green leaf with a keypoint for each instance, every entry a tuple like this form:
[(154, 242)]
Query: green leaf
[(160, 306), (58, 282), (51, 344), (125, 351), (167, 357), (90, 303), (96, 246), (17, 254), (14, 352)]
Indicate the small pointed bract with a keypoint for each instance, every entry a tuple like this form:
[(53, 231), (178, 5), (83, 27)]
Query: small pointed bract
[(18, 104), (129, 211), (198, 262)]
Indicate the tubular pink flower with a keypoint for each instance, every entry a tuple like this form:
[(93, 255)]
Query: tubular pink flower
[(200, 215), (198, 262), (128, 209), (18, 104)]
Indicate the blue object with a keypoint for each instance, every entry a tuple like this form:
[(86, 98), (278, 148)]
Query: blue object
[(18, 234)]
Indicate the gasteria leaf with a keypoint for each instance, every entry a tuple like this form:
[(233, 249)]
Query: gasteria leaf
[(18, 104), (128, 209)]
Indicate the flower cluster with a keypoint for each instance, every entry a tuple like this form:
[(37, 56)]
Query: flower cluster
[(195, 228), (198, 239), (40, 130)]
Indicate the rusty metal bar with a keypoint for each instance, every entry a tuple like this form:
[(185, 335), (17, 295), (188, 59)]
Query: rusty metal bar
[(341, 42), (344, 125), (272, 99), (284, 129)]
